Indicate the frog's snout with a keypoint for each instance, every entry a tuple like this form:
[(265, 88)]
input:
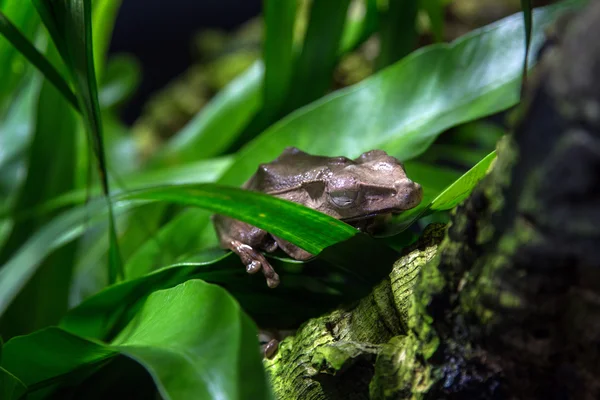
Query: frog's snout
[(410, 193)]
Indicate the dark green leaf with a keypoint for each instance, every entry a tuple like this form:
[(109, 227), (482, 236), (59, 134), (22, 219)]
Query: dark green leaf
[(435, 12), (314, 68), (397, 31), (27, 49), (13, 66), (307, 228), (280, 217), (280, 17), (11, 388), (194, 339)]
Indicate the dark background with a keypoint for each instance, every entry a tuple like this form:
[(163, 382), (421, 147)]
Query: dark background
[(158, 34)]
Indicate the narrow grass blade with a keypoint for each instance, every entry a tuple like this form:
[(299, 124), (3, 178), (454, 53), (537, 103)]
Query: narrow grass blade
[(21, 43)]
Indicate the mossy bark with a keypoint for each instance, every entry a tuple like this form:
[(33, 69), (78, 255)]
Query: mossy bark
[(505, 302)]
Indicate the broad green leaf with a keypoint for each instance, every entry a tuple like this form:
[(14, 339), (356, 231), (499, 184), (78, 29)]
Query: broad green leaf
[(397, 31), (403, 108), (199, 331), (314, 67), (279, 19), (219, 124), (194, 340), (27, 49), (11, 388), (104, 314), (307, 228), (69, 24)]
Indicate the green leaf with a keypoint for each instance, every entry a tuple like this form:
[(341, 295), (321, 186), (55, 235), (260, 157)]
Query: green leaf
[(280, 217), (49, 174), (194, 340), (435, 12), (69, 24), (27, 49), (314, 67), (104, 314), (403, 108), (307, 228), (104, 15), (123, 76), (199, 331), (447, 199), (280, 17), (360, 25), (219, 123), (461, 189), (11, 388), (13, 66), (397, 31)]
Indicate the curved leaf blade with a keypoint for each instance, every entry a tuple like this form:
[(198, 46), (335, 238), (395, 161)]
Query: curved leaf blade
[(404, 107), (280, 217), (215, 352)]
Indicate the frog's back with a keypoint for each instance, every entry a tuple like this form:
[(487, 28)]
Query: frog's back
[(292, 169)]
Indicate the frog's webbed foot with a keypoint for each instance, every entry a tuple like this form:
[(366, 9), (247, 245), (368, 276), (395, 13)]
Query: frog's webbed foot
[(254, 261)]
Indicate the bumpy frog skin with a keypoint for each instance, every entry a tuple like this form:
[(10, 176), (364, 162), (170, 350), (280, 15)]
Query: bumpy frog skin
[(354, 191)]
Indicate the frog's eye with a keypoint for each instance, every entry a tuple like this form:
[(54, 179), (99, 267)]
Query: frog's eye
[(344, 198)]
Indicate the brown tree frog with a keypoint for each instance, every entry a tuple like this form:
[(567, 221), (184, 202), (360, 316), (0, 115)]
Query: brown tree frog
[(354, 191)]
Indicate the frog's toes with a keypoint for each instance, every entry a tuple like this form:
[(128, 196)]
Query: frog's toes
[(253, 267), (273, 281)]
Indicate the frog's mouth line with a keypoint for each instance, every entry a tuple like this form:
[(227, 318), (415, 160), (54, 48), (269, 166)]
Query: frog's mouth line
[(361, 218)]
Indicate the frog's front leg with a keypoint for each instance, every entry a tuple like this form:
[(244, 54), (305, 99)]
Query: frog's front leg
[(243, 240), (292, 250)]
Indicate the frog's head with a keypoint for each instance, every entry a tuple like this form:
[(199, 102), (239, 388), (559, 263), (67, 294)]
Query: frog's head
[(372, 184)]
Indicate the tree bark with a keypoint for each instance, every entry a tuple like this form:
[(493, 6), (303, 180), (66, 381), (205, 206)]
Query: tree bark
[(505, 302)]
